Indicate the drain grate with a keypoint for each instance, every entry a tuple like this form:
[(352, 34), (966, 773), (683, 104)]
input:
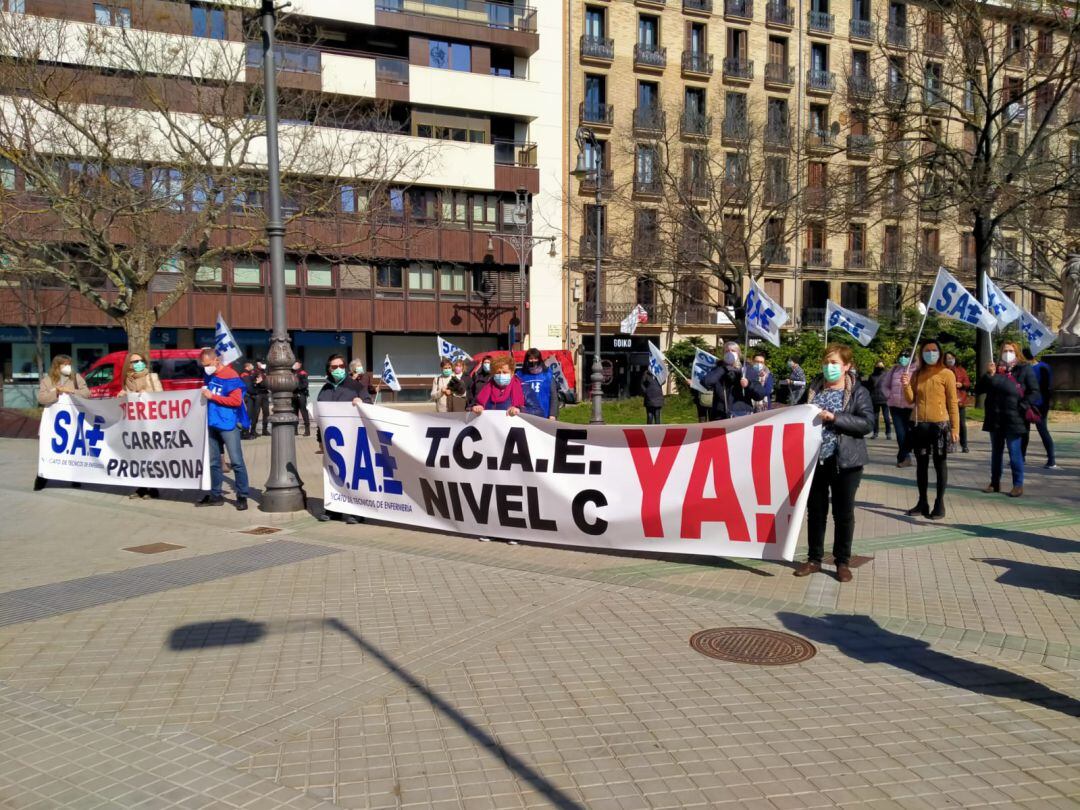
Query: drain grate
[(153, 548), (752, 645), (260, 530)]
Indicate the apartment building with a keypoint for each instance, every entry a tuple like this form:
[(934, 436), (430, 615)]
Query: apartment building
[(474, 85), (781, 104)]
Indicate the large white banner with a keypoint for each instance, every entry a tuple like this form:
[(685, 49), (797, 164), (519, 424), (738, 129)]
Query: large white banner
[(736, 488), (142, 440)]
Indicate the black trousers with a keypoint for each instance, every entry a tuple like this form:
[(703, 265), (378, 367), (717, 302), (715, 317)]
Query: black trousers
[(262, 406), (300, 409), (652, 415), (883, 409), (963, 427), (838, 486), (922, 472)]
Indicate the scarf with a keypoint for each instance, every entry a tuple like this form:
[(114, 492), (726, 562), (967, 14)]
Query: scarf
[(139, 382)]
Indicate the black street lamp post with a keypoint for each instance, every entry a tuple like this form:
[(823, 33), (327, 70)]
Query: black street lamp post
[(582, 171)]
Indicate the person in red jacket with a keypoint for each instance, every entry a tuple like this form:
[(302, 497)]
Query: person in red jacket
[(226, 418), (503, 391), (963, 395)]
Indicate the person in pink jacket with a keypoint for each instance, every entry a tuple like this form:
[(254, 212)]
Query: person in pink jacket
[(503, 391), (899, 408)]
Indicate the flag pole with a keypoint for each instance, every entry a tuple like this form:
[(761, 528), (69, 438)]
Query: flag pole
[(918, 335)]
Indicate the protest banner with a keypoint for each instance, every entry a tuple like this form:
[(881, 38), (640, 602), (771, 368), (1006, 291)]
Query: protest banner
[(860, 327), (950, 300), (764, 316), (703, 364), (141, 440), (999, 304), (736, 488), (1038, 334)]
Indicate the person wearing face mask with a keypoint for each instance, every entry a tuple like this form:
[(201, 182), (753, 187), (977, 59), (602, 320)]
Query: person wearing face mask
[(1009, 386), (340, 386), (503, 391), (1041, 403), (138, 379), (796, 382), (538, 383), (226, 417), (760, 371), (365, 383), (262, 400), (963, 395), (899, 408), (443, 387), (652, 392), (300, 398), (734, 393), (880, 398), (248, 377), (847, 416), (480, 377), (935, 424), (61, 379)]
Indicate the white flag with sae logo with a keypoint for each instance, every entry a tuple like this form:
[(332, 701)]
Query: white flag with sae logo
[(224, 343), (447, 349), (388, 375), (858, 326), (999, 304), (950, 300)]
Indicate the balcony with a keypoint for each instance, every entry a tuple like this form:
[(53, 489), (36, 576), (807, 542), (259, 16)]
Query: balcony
[(817, 257), (856, 259), (735, 192), (931, 210), (697, 63), (896, 92), (778, 136), (694, 186), (647, 186), (697, 6), (738, 69), (819, 140), (606, 178), (777, 193), (892, 262), (735, 130), (587, 243), (775, 255), (820, 81), (896, 35), (780, 14), (777, 74), (1017, 58), (860, 146), (862, 29), (597, 114), (598, 49), (934, 43), (928, 262), (816, 198), (812, 317), (933, 98), (859, 202), (860, 87), (653, 3), (1005, 268), (695, 125), (691, 248), (893, 204), (478, 12), (739, 9), (650, 56), (1044, 62), (820, 22), (390, 69), (967, 266), (649, 121), (515, 153)]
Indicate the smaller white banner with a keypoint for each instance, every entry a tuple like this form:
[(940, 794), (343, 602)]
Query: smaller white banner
[(657, 363), (999, 304), (141, 440), (1037, 333), (703, 364), (858, 326), (950, 300), (388, 375), (764, 316), (637, 315), (447, 349)]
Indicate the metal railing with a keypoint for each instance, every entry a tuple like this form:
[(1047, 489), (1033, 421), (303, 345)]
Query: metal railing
[(896, 92), (597, 47), (741, 9), (515, 153), (896, 35), (819, 140), (823, 81), (778, 136), (738, 68), (860, 86), (646, 185), (587, 245), (934, 42), (735, 129), (649, 120), (816, 198), (821, 21), (775, 255), (817, 257), (777, 193), (480, 12), (696, 124), (606, 178), (779, 73), (594, 113), (892, 261), (893, 204), (856, 259), (697, 62), (779, 14), (704, 6), (862, 29), (860, 144), (650, 55)]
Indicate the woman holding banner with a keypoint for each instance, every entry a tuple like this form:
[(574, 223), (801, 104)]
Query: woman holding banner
[(935, 424), (61, 379), (503, 392), (1009, 385), (139, 379), (848, 416)]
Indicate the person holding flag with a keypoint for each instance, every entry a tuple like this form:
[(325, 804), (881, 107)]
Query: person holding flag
[(652, 385), (935, 424), (226, 417), (734, 394), (963, 395), (1009, 385)]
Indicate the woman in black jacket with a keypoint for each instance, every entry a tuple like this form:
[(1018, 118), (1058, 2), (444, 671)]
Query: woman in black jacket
[(1009, 385), (653, 394), (848, 416)]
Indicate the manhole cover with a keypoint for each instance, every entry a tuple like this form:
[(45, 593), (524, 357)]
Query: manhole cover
[(260, 530), (752, 645), (153, 548)]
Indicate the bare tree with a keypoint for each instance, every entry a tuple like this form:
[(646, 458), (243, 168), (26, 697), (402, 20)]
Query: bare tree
[(144, 167), (976, 122), (36, 307)]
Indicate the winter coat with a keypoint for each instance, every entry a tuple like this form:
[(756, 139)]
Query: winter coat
[(877, 395), (1005, 405), (893, 388), (963, 386), (541, 392), (454, 402), (147, 382), (479, 379), (225, 409), (302, 383), (47, 393), (651, 391), (729, 397), (852, 423), (365, 386), (345, 391), (932, 391)]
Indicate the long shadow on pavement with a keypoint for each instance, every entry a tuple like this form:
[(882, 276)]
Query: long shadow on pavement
[(241, 631), (1045, 578), (863, 639)]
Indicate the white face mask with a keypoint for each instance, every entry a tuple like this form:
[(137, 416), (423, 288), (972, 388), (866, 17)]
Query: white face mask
[(731, 358), (66, 369), (1008, 358), (210, 370)]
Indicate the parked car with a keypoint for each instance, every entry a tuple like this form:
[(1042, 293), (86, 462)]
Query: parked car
[(178, 370), (564, 358)]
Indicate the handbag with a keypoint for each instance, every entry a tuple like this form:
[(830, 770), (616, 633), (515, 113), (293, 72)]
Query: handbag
[(1031, 413)]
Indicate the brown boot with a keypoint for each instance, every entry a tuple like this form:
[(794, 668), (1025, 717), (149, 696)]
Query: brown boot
[(807, 568), (992, 488), (843, 573), (1016, 492)]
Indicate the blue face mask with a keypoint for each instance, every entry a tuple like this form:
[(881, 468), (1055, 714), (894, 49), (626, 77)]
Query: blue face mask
[(904, 361), (931, 357), (138, 366), (758, 367), (337, 374), (502, 380)]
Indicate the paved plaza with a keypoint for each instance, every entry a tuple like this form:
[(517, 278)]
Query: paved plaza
[(370, 666)]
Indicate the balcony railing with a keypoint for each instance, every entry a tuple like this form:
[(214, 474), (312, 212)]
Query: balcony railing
[(779, 14), (819, 140), (817, 257), (653, 56), (862, 29), (893, 204), (931, 210), (775, 255), (777, 193), (606, 178), (860, 87), (737, 68), (600, 114), (597, 48), (735, 129), (700, 6), (934, 42), (892, 261), (735, 192), (928, 262), (896, 92), (695, 124), (740, 9), (821, 21), (778, 136), (1044, 62), (515, 153), (587, 244), (860, 145), (780, 74), (697, 62), (896, 35), (812, 317), (647, 185), (821, 81), (649, 120), (856, 259), (693, 186), (479, 12), (1005, 267)]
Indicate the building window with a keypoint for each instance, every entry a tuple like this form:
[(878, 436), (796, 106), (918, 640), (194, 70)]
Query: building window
[(353, 200), (425, 205), (168, 184), (449, 55), (485, 211), (119, 16), (7, 174), (452, 280), (208, 22), (246, 274), (14, 6), (648, 32), (455, 208), (318, 274), (396, 199), (388, 276), (207, 274), (421, 278), (645, 165), (594, 23)]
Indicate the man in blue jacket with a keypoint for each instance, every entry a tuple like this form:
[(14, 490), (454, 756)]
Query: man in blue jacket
[(226, 419), (538, 383)]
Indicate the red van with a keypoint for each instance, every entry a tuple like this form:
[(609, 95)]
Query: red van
[(564, 358), (178, 369)]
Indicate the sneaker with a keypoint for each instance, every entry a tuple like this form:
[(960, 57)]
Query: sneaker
[(350, 520), (241, 504), (807, 568), (210, 500), (1050, 465)]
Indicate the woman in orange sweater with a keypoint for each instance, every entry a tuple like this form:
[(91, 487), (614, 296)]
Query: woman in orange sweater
[(935, 424)]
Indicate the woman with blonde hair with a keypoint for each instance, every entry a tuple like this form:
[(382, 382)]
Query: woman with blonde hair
[(61, 379), (139, 379)]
